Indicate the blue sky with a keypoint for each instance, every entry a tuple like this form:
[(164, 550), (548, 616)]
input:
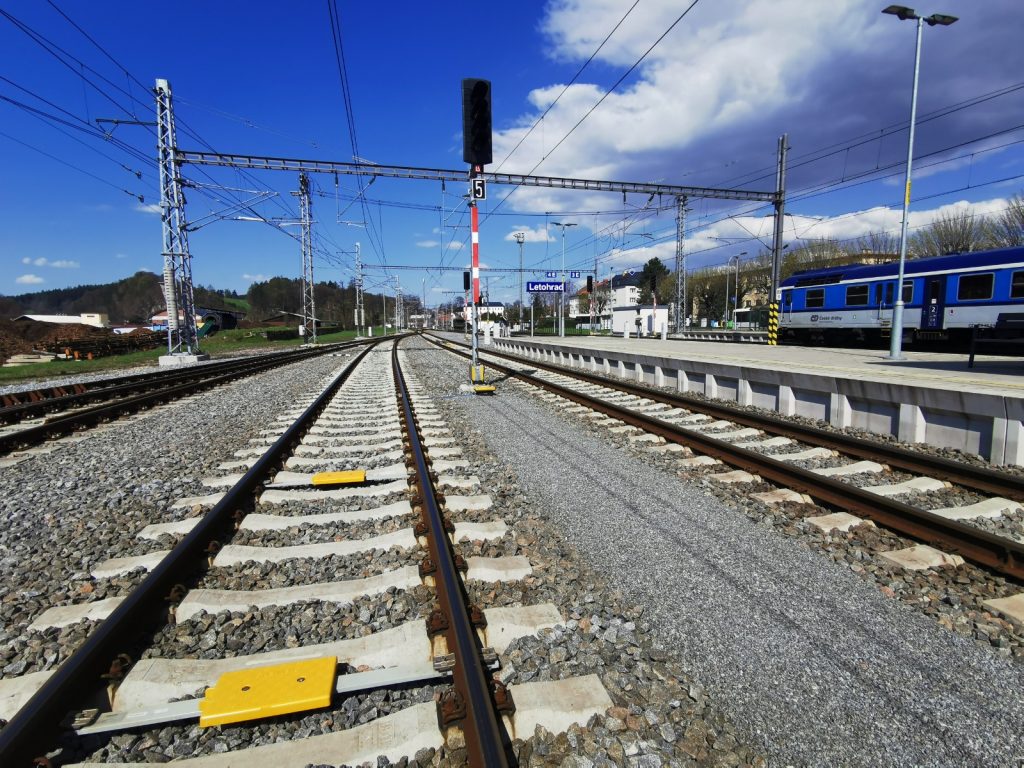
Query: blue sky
[(704, 107)]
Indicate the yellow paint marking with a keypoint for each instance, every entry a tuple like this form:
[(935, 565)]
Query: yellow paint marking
[(348, 477), (248, 694)]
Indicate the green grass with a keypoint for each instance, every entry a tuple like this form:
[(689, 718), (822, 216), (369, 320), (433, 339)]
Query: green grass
[(216, 345)]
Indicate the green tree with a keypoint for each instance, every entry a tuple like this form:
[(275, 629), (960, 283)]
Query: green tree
[(652, 274)]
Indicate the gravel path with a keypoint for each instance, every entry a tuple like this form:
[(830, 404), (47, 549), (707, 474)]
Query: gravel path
[(814, 665)]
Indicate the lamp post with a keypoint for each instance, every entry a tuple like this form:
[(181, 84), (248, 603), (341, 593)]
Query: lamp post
[(736, 287), (907, 14), (561, 295), (520, 238)]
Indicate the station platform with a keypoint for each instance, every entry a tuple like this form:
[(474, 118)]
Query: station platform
[(927, 397)]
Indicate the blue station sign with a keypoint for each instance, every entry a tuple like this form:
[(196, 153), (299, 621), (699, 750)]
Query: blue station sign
[(545, 287)]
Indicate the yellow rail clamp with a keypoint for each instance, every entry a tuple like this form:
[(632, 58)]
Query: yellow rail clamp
[(476, 373), (484, 389), (348, 477), (250, 694)]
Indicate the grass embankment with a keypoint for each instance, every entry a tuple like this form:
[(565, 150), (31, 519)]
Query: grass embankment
[(219, 344)]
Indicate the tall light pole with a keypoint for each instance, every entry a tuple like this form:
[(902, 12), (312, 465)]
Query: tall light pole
[(520, 238), (906, 14), (736, 288), (561, 296)]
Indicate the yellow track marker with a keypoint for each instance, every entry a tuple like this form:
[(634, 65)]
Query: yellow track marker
[(348, 477), (484, 389), (249, 694)]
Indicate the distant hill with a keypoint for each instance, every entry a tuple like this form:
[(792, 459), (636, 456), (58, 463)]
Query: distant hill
[(132, 300)]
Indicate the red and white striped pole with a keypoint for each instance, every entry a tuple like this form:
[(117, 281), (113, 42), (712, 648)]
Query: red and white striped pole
[(475, 227)]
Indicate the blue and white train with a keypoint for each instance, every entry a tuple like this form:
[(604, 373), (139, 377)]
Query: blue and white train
[(943, 297)]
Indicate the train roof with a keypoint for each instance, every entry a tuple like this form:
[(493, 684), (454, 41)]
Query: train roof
[(948, 263)]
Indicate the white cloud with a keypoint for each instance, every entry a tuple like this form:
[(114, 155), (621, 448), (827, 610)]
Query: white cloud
[(427, 244), (254, 278), (42, 261), (147, 208), (537, 235), (120, 255), (29, 280)]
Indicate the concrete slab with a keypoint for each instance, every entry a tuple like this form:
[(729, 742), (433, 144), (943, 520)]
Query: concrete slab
[(736, 476), (556, 704), (348, 449), (234, 554), (257, 521), (210, 500), (177, 528), (337, 462), (117, 566), (15, 691), (810, 453), (468, 503), (709, 426), (443, 452), (698, 461), (449, 465), (506, 624), (989, 508), (914, 485), (1010, 607), (739, 434), (672, 448), (625, 428), (215, 600), (229, 466), (647, 437), (222, 481), (152, 682), (857, 468), (920, 557), (355, 438), (278, 497), (493, 569), (782, 495), (459, 483), (66, 615), (480, 531), (771, 442), (285, 479), (838, 521)]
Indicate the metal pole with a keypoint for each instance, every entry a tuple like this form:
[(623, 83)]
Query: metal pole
[(561, 295), (520, 238), (680, 264), (475, 221), (896, 339), (736, 290), (780, 214), (726, 320)]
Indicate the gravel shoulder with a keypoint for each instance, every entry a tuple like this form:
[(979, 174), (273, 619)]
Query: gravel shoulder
[(815, 666)]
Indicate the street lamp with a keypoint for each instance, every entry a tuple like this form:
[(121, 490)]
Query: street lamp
[(907, 14), (561, 295), (520, 238), (736, 287)]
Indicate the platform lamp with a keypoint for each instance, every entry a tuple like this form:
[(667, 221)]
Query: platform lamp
[(561, 295), (907, 14)]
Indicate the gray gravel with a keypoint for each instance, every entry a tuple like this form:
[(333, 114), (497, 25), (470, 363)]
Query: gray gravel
[(813, 664)]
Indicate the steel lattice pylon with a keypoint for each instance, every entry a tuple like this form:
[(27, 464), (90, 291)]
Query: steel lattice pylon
[(182, 336), (308, 298)]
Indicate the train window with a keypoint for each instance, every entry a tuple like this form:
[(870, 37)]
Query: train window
[(787, 297), (857, 295), (1017, 285), (908, 291), (974, 287), (890, 289), (815, 297)]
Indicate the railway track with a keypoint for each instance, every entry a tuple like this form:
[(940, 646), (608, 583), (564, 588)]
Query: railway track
[(48, 413), (837, 470), (368, 451)]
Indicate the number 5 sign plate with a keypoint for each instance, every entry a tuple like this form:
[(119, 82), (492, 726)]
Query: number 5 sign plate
[(479, 189)]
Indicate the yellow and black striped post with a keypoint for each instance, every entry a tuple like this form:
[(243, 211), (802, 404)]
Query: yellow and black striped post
[(773, 324)]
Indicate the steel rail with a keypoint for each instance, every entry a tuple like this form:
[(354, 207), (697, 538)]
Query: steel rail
[(982, 479), (483, 732), (34, 727), (108, 389), (994, 552), (76, 420)]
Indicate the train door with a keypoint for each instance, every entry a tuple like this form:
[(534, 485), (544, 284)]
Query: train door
[(934, 304)]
